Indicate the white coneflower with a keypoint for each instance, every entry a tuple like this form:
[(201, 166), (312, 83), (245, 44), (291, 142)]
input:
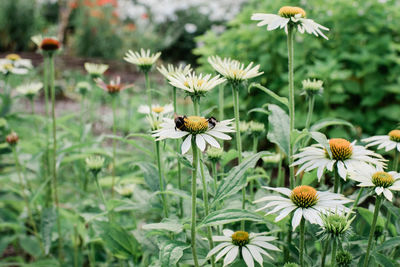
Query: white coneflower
[(379, 180), (156, 109), (17, 61), (172, 70), (115, 86), (388, 142), (249, 246), (304, 202), (201, 129), (195, 85), (144, 60), (295, 16), (233, 70), (95, 70), (14, 64), (312, 87), (345, 155), (29, 89)]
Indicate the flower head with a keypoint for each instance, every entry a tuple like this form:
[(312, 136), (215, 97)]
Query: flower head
[(344, 258), (83, 87), (341, 152), (388, 142), (256, 128), (379, 180), (312, 87), (250, 246), (114, 87), (336, 225), (156, 109), (234, 71), (171, 70), (95, 70), (215, 154), (14, 64), (126, 190), (12, 139), (305, 202), (94, 163), (144, 60), (29, 89), (49, 44), (202, 130), (293, 16), (195, 85)]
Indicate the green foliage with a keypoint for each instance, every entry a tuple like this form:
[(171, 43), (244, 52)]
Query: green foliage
[(359, 64)]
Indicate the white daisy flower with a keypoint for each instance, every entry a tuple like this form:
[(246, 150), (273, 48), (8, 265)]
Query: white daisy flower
[(388, 142), (171, 70), (305, 202), (29, 89), (156, 109), (18, 62), (14, 64), (95, 70), (345, 155), (295, 16), (233, 70), (195, 84), (381, 181), (251, 247), (202, 130), (144, 60)]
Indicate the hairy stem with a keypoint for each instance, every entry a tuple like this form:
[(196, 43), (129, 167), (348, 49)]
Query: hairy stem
[(333, 256), (302, 235), (114, 142), (290, 36), (194, 195), (161, 181), (148, 89), (372, 231), (179, 163)]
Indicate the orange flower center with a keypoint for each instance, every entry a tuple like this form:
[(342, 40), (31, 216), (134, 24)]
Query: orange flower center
[(240, 238), (304, 196), (196, 124), (382, 179), (291, 11), (113, 88), (341, 148), (157, 109), (395, 135), (50, 44)]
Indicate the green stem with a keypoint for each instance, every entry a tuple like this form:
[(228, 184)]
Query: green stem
[(396, 160), (302, 235), (179, 163), (148, 89), (194, 195), (333, 256), (324, 252), (196, 105), (54, 161), (235, 92), (101, 194), (160, 179), (290, 36), (355, 202), (32, 105), (25, 197), (255, 143), (49, 189), (372, 231), (215, 174), (221, 102), (82, 121), (114, 143), (337, 180), (75, 246), (311, 101)]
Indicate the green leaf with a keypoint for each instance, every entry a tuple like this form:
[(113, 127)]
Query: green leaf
[(44, 263), (258, 110), (150, 175), (280, 99), (383, 260), (46, 227), (368, 216), (236, 179), (31, 245), (389, 244), (166, 226), (171, 252), (278, 132), (120, 242), (329, 122), (220, 217)]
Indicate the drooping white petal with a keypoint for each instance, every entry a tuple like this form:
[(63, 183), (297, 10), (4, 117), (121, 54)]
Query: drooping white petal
[(231, 255), (247, 257), (186, 144), (298, 214)]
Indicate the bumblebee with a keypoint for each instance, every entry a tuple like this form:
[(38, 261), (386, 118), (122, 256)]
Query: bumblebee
[(212, 122), (180, 122)]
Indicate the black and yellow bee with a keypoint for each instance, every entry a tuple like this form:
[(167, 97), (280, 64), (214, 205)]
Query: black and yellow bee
[(180, 122)]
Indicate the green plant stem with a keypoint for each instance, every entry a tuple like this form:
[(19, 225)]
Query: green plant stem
[(396, 160), (194, 195), (235, 92), (54, 161), (337, 180), (82, 121), (311, 101), (148, 89), (255, 143), (196, 105), (372, 231), (25, 197), (355, 202), (32, 105), (179, 163), (302, 235), (215, 174), (75, 240), (161, 181), (290, 37), (114, 143), (101, 194), (221, 102), (324, 252), (333, 256)]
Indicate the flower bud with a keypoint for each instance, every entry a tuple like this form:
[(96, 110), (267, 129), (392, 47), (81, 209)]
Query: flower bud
[(12, 139), (83, 87), (214, 154), (335, 225), (343, 258), (312, 87), (256, 128), (94, 164)]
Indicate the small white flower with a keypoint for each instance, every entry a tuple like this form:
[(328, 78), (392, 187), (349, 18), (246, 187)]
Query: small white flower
[(345, 155), (195, 84), (305, 202), (29, 89), (83, 87), (382, 182), (290, 15), (233, 70), (144, 60), (156, 109), (202, 130), (250, 246), (171, 70), (388, 142), (14, 64), (95, 70)]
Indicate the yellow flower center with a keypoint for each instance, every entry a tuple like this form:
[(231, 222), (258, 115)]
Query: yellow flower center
[(196, 124), (13, 57), (240, 238), (237, 73), (157, 109), (304, 196), (395, 135), (146, 61), (382, 179), (8, 66), (291, 11), (341, 148)]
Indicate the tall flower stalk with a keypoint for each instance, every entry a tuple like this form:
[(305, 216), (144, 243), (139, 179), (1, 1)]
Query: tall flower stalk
[(311, 88), (194, 196), (161, 180), (378, 202)]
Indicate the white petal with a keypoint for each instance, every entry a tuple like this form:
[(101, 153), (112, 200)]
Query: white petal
[(211, 140), (231, 256), (298, 214), (256, 255), (379, 190), (282, 190), (227, 232), (187, 144), (201, 144), (247, 257), (388, 194), (218, 248), (223, 252)]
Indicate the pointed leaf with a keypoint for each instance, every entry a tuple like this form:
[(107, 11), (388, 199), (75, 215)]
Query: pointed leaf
[(278, 131), (282, 100), (229, 216)]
